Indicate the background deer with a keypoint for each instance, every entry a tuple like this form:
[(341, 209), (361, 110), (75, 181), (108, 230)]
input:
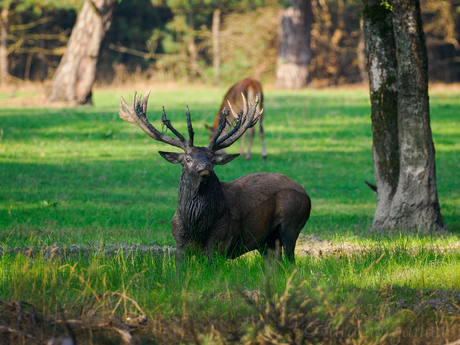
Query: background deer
[(250, 88), (263, 211)]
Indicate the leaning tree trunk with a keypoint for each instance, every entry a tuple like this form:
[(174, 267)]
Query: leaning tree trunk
[(75, 75), (294, 50), (415, 204), (3, 45), (383, 87)]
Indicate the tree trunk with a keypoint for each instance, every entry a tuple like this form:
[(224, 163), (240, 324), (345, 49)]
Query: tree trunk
[(294, 49), (3, 45), (192, 48), (361, 53), (75, 75), (382, 65), (415, 204), (403, 150), (215, 44)]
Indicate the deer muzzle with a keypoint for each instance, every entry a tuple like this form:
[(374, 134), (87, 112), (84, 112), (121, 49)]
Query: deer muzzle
[(204, 169)]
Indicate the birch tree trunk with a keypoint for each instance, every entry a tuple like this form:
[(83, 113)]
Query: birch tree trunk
[(292, 68), (75, 75), (3, 45), (403, 150), (215, 44)]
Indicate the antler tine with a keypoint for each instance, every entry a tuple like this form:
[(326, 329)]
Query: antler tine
[(136, 113), (245, 121), (191, 134), (245, 104), (168, 124), (222, 123), (234, 113), (234, 129)]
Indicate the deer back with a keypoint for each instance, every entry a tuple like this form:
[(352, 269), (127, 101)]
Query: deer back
[(250, 88), (260, 202)]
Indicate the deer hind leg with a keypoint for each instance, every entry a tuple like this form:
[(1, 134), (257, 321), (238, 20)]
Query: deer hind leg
[(251, 137), (288, 239), (242, 144), (262, 137), (294, 208), (272, 249)]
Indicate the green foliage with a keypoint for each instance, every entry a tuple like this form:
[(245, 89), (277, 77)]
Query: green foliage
[(250, 43), (386, 5), (139, 25), (38, 6)]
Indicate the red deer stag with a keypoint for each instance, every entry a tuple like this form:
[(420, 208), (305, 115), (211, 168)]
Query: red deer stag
[(250, 88), (263, 211)]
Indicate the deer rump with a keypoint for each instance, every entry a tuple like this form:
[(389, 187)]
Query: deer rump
[(263, 211)]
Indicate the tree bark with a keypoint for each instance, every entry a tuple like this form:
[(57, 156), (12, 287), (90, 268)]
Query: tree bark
[(215, 44), (192, 48), (403, 150), (75, 75), (382, 72), (3, 45), (415, 204), (361, 54), (294, 49)]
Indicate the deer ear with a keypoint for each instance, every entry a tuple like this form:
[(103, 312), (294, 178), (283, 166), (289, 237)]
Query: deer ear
[(211, 130), (172, 157), (224, 158)]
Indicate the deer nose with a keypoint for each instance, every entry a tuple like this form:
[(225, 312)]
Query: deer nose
[(204, 168)]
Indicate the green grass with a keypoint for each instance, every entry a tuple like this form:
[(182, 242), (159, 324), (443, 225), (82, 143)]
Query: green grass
[(83, 176), (108, 182), (337, 290)]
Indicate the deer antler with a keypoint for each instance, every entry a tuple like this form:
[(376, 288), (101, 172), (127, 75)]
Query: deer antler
[(247, 118), (136, 113)]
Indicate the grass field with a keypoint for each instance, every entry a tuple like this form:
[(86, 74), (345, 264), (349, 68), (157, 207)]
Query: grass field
[(81, 176)]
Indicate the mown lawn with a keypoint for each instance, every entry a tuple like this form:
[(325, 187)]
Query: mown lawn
[(83, 176)]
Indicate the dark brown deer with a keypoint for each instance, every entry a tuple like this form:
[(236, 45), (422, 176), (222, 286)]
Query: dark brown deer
[(263, 211), (251, 89)]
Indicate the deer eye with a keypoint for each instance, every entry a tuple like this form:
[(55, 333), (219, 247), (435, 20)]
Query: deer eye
[(188, 159)]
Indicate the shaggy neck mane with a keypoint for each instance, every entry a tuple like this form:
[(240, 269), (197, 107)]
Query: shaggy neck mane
[(201, 204)]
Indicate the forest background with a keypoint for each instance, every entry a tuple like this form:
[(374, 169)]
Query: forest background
[(172, 40)]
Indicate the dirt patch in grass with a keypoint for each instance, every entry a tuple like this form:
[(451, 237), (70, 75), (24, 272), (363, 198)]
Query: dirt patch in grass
[(307, 245), (107, 249), (316, 246)]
